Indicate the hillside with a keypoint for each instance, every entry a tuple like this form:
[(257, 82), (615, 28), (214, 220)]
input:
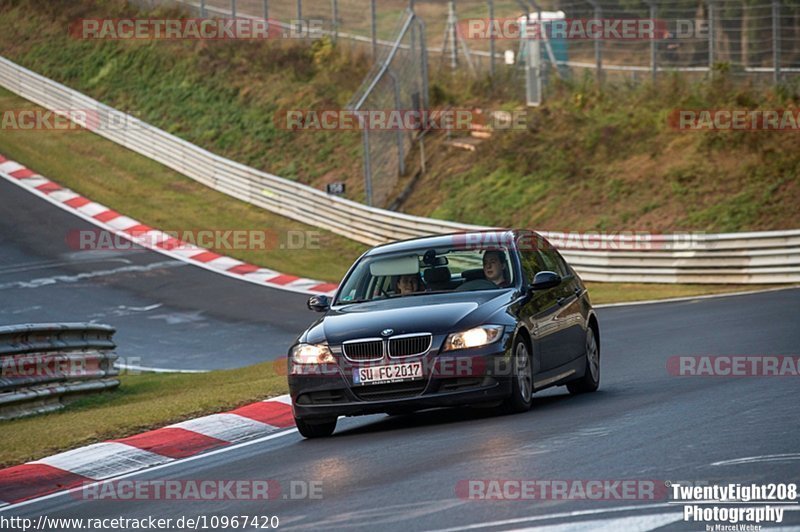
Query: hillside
[(590, 160)]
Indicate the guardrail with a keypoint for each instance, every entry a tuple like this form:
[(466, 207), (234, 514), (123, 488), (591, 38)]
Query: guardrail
[(764, 257), (44, 365)]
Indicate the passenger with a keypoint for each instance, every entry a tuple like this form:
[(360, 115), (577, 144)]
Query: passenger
[(495, 268), (408, 284)]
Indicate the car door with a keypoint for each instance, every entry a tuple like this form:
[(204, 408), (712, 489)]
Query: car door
[(540, 315), (569, 316)]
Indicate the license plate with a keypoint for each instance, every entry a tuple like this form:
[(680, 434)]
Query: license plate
[(390, 373)]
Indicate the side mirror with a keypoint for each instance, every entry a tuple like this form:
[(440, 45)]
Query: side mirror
[(545, 280), (319, 303)]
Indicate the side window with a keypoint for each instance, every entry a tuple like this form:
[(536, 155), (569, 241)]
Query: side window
[(554, 262), (531, 264)]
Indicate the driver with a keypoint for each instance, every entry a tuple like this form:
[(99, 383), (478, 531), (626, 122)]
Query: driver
[(408, 284), (495, 269)]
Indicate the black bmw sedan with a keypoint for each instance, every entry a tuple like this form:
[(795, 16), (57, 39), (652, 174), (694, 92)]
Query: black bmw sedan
[(485, 318)]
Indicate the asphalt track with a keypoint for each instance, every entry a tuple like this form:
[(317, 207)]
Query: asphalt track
[(401, 473), (168, 314)]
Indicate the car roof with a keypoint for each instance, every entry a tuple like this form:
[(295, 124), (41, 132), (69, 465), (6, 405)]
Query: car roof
[(437, 241)]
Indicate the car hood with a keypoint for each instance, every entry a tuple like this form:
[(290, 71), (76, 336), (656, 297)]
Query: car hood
[(435, 313)]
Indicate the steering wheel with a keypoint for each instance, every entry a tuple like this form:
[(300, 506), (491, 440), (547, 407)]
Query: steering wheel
[(477, 284)]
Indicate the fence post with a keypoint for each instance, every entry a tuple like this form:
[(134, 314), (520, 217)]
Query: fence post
[(367, 164), (202, 8), (373, 9), (401, 162), (423, 51), (491, 38), (266, 11), (233, 8), (711, 31), (452, 36), (598, 43), (776, 41), (653, 44), (335, 20)]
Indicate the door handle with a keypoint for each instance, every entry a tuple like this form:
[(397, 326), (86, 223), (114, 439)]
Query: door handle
[(578, 291)]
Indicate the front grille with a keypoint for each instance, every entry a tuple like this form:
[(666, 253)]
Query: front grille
[(381, 392), (407, 346), (363, 349)]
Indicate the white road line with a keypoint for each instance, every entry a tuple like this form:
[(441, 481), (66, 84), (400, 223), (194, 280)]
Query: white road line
[(547, 517), (48, 281), (635, 523), (756, 459)]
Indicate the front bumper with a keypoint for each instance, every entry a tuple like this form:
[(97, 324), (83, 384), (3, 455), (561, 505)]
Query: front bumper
[(470, 376)]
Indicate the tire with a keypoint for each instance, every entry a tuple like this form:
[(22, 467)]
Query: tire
[(521, 397), (591, 377), (317, 429)]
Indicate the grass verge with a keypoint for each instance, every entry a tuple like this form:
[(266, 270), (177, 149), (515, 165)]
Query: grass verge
[(138, 405), (602, 293)]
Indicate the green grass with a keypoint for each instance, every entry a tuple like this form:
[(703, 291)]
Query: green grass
[(136, 406), (607, 160)]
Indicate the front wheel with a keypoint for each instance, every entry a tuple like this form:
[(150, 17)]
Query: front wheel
[(591, 376), (316, 429), (521, 397)]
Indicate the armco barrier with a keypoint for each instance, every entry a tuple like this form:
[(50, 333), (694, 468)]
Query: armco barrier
[(764, 257), (41, 365)]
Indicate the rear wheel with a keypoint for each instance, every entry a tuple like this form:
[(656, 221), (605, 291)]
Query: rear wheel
[(315, 429), (591, 377), (521, 380)]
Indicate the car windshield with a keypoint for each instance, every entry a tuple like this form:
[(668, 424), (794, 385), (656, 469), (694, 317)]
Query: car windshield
[(427, 270)]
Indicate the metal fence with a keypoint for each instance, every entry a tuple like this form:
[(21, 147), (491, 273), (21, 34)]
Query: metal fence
[(759, 38), (763, 257), (398, 80), (42, 365)]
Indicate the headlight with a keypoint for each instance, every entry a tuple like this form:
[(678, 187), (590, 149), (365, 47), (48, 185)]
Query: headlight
[(312, 354), (483, 335)]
